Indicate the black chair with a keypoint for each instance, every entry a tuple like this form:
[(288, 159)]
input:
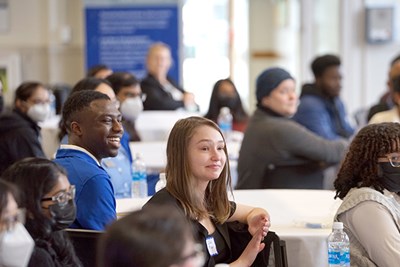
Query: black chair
[(273, 255), (278, 255), (85, 244)]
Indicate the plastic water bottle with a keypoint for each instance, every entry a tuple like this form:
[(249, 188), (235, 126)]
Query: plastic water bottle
[(139, 178), (338, 246), (162, 182), (225, 121), (52, 99)]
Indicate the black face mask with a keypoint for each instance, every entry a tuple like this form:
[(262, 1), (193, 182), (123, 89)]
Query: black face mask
[(226, 101), (63, 216), (390, 177)]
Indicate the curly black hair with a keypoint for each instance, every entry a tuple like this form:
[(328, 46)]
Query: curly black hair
[(77, 102), (85, 84), (360, 167)]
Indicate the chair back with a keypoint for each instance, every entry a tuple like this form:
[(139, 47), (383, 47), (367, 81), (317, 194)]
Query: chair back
[(85, 244), (273, 255)]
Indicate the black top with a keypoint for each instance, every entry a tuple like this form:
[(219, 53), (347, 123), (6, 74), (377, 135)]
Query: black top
[(44, 255), (163, 197), (19, 138), (156, 97)]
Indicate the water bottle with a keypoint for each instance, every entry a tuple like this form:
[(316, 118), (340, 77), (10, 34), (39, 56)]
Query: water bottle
[(338, 247), (225, 121), (162, 182), (52, 99), (139, 178)]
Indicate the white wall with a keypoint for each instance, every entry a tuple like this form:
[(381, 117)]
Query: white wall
[(39, 33), (35, 34), (365, 65)]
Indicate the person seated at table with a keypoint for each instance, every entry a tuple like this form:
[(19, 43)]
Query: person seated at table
[(48, 199), (386, 99), (224, 94), (100, 71), (393, 114), (19, 129), (94, 128), (198, 174), (321, 109), (162, 93), (368, 183), (277, 152), (16, 245), (118, 167), (128, 92), (157, 237)]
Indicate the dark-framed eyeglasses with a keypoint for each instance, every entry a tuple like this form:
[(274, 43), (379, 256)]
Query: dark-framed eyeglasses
[(393, 158), (63, 197)]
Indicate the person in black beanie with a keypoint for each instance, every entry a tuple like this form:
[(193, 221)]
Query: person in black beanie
[(277, 152)]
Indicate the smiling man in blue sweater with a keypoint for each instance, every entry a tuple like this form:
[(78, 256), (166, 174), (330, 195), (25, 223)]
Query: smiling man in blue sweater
[(94, 129)]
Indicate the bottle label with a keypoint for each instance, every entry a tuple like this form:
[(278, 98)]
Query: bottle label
[(225, 126), (337, 258), (334, 257)]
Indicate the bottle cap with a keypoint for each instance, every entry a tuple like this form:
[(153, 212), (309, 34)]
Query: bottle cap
[(162, 176), (337, 225), (225, 110)]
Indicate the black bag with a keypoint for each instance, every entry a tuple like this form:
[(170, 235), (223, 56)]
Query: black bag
[(274, 253)]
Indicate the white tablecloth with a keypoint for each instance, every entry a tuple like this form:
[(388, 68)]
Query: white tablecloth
[(290, 211), (156, 125)]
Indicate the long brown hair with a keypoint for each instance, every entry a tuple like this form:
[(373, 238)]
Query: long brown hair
[(360, 166), (180, 181)]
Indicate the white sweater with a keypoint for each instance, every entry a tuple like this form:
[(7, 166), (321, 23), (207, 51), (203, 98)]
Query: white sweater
[(372, 221)]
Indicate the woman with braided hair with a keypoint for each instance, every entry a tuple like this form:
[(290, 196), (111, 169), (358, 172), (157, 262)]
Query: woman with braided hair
[(368, 182)]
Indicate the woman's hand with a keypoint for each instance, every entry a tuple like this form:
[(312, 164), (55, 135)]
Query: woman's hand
[(252, 249), (258, 219)]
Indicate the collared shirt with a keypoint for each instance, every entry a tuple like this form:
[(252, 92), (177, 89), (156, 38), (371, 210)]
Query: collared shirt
[(66, 146)]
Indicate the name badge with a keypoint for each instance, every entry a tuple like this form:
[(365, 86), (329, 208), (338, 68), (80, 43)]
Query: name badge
[(211, 247)]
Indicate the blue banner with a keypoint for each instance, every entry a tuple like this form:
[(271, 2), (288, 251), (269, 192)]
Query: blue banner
[(119, 37)]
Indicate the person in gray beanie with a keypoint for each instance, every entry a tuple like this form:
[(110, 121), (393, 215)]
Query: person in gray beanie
[(277, 152)]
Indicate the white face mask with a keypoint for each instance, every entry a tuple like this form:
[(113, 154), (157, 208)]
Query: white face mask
[(39, 112), (16, 247), (131, 108)]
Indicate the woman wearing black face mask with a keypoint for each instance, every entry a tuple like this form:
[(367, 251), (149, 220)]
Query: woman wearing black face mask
[(224, 94), (369, 184), (48, 199)]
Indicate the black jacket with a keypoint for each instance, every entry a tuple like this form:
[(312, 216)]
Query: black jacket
[(19, 138), (156, 97), (163, 197)]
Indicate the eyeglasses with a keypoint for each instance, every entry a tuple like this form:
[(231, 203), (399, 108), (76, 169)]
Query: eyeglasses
[(10, 221), (393, 158), (197, 255), (62, 198)]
